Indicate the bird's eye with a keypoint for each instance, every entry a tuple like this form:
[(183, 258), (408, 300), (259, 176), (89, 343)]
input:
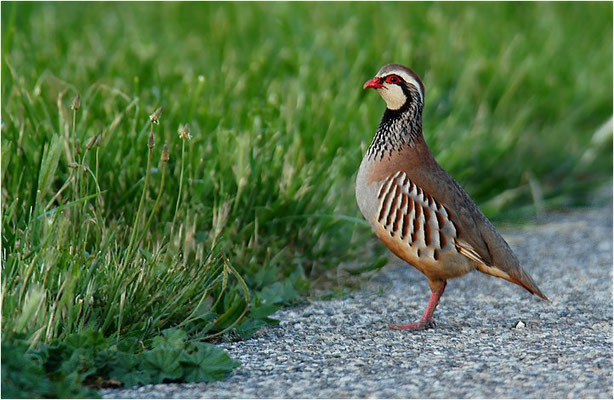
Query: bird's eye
[(392, 79)]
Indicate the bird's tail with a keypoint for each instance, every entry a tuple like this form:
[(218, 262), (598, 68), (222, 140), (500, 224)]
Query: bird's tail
[(519, 277)]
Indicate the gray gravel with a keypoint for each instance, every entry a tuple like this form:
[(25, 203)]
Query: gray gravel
[(342, 348)]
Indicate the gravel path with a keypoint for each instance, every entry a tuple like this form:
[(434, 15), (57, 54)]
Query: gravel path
[(342, 348)]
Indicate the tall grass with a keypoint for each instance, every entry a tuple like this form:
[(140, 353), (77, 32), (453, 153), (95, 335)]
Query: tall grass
[(103, 231)]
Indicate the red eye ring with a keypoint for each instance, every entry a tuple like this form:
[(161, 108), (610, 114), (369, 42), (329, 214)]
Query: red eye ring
[(393, 79)]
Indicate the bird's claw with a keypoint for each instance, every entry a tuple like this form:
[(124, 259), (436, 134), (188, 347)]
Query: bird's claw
[(416, 326)]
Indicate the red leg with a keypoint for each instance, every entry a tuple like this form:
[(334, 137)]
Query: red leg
[(426, 321)]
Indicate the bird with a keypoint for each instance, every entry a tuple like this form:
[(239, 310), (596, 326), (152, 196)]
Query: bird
[(417, 209)]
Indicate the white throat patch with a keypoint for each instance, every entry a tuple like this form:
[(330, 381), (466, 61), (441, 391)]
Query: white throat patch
[(393, 96)]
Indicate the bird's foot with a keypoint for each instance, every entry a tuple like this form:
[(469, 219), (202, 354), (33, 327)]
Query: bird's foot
[(416, 326)]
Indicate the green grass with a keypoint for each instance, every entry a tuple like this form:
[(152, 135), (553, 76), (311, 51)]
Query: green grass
[(102, 237)]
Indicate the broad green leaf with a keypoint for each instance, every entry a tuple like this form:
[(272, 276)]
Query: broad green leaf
[(208, 363), (163, 363), (128, 369)]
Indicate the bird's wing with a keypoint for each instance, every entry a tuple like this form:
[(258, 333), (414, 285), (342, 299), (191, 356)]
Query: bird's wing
[(477, 239)]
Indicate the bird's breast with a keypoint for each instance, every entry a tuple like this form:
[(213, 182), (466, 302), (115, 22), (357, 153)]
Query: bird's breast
[(366, 191)]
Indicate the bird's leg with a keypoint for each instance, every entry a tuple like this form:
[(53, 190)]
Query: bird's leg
[(426, 321)]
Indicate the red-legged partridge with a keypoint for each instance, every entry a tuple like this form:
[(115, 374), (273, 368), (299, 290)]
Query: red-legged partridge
[(420, 213)]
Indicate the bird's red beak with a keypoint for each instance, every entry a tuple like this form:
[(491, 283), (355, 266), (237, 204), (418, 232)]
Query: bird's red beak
[(373, 84)]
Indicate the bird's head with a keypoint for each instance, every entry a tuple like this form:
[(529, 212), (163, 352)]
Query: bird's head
[(399, 86)]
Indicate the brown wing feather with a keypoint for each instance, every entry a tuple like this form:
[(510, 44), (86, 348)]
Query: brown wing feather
[(473, 228)]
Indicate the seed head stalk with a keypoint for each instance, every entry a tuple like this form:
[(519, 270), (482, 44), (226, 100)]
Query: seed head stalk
[(132, 243), (151, 142), (184, 134), (76, 103), (180, 188), (150, 146)]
